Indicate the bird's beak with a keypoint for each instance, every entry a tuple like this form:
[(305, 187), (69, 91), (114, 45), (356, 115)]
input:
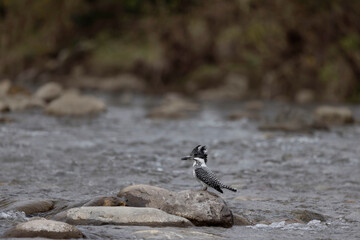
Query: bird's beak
[(186, 158)]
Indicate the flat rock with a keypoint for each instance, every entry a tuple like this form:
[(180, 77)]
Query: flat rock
[(121, 216), (330, 115), (49, 91), (30, 207), (43, 228), (202, 208), (74, 104)]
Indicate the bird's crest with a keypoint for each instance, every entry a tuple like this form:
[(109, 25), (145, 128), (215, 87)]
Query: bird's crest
[(200, 151)]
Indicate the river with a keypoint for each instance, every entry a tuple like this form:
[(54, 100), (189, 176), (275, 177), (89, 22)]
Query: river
[(75, 159)]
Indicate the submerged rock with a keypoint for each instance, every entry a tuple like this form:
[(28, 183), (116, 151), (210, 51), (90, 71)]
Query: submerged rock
[(121, 216), (329, 115), (202, 208), (43, 228), (173, 106), (241, 220), (49, 91), (30, 207), (307, 216), (353, 217), (74, 104)]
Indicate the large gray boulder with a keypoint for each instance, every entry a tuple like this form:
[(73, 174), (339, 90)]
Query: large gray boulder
[(202, 208), (121, 216), (43, 228)]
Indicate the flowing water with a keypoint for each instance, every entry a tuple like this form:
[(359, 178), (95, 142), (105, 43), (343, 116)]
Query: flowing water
[(76, 159)]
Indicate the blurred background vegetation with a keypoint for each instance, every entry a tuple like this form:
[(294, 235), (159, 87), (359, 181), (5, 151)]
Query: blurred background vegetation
[(278, 47)]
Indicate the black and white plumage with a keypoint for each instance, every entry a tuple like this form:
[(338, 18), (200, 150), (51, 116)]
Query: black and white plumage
[(202, 173)]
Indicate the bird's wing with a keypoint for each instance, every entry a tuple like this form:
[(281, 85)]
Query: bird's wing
[(207, 176)]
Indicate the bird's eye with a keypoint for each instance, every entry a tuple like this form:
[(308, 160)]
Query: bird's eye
[(204, 149)]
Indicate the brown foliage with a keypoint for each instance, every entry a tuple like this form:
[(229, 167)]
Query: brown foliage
[(280, 46)]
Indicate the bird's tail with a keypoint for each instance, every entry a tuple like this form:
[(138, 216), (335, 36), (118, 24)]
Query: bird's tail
[(229, 188)]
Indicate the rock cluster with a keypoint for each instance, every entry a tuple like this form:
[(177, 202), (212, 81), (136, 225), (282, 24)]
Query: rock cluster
[(200, 207), (143, 205), (51, 97)]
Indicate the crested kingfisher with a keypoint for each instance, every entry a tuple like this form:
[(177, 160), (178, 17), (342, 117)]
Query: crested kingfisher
[(202, 173)]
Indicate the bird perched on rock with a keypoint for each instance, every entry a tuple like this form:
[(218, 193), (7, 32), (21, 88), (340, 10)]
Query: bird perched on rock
[(202, 173)]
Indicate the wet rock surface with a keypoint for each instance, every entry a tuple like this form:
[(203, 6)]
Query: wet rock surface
[(202, 208), (121, 216), (44, 229)]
